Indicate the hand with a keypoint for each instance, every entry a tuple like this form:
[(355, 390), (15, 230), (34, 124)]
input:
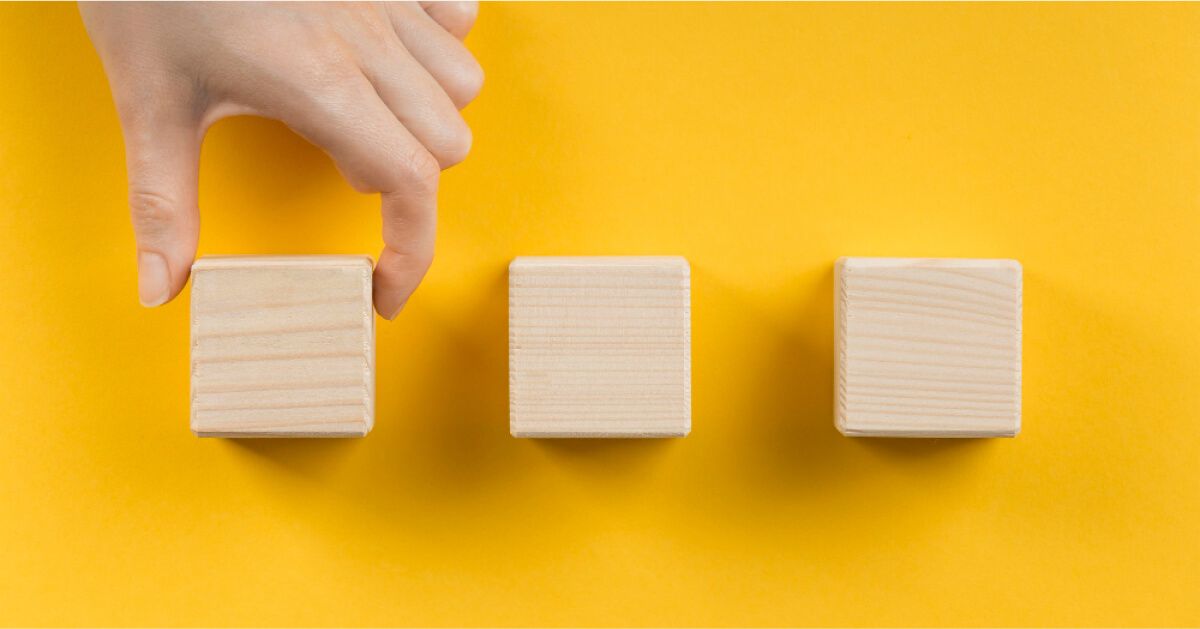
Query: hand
[(377, 86)]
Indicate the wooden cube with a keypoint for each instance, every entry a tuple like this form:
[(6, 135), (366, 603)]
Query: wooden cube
[(282, 346), (927, 347), (599, 347)]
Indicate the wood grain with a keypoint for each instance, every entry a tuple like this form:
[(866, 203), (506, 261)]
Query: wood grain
[(927, 347), (282, 346), (599, 347)]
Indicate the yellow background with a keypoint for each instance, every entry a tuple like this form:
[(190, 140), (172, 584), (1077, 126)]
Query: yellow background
[(760, 141)]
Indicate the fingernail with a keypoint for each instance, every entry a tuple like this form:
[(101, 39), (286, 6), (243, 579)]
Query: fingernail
[(154, 280)]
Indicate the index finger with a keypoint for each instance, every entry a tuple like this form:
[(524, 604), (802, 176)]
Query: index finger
[(376, 153), (408, 236)]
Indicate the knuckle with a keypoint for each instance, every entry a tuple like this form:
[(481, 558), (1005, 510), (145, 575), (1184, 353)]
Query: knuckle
[(358, 182), (463, 14), (422, 259), (410, 240), (455, 147), (154, 214), (466, 81), (421, 169)]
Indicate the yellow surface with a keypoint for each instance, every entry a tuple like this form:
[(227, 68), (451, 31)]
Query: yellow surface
[(760, 141)]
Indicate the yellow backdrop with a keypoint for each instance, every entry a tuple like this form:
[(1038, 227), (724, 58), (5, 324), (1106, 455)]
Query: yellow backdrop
[(759, 141)]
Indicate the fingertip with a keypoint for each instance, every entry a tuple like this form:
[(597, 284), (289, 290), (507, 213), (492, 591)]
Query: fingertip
[(154, 279), (387, 303), (389, 298), (162, 164), (388, 311), (457, 17), (396, 277)]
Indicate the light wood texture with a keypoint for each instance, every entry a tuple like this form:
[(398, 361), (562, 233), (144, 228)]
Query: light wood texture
[(927, 347), (600, 347), (282, 346)]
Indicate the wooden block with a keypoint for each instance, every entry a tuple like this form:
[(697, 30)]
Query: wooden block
[(282, 346), (599, 347), (927, 347)]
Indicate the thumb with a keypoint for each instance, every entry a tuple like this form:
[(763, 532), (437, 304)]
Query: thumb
[(162, 155)]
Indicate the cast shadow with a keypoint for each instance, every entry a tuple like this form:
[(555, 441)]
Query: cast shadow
[(900, 449), (457, 416), (446, 431), (310, 459), (606, 460), (793, 402), (466, 424), (794, 429)]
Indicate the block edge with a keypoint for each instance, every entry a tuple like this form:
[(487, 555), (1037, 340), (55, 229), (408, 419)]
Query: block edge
[(240, 261)]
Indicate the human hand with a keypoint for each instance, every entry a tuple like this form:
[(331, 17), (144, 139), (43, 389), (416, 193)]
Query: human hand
[(377, 86)]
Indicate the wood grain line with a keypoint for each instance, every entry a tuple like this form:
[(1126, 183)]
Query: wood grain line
[(930, 358)]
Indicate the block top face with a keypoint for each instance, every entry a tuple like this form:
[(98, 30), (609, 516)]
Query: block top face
[(282, 346), (1000, 266), (599, 347), (262, 262), (928, 347), (564, 262)]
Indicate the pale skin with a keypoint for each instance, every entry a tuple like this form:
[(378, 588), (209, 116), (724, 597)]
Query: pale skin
[(378, 86)]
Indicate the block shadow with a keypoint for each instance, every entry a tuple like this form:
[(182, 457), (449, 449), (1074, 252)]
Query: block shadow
[(467, 425), (310, 459), (446, 433), (463, 427), (460, 424), (799, 447), (274, 171), (605, 460), (464, 418)]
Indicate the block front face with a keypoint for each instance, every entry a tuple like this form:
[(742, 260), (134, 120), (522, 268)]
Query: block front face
[(928, 347), (282, 346), (600, 347)]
